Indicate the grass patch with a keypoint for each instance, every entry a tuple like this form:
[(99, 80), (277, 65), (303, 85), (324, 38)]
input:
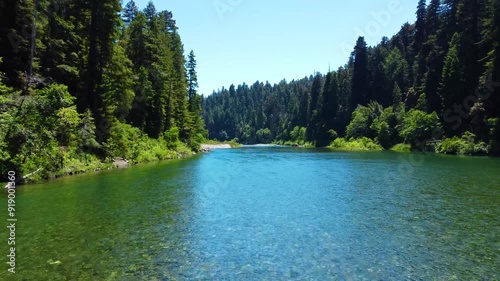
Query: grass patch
[(401, 147), (360, 144), (300, 143)]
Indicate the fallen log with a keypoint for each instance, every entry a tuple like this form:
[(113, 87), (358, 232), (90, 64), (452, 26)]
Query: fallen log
[(18, 180)]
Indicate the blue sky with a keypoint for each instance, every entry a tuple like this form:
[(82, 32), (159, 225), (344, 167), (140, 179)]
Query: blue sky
[(238, 41)]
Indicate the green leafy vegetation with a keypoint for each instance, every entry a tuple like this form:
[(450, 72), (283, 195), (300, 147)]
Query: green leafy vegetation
[(353, 144), (100, 86), (401, 147), (467, 144), (419, 126)]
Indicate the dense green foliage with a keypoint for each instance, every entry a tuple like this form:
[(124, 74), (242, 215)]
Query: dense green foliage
[(435, 79), (465, 145), (84, 82), (352, 144)]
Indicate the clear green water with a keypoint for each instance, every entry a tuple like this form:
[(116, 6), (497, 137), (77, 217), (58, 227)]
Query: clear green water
[(259, 213)]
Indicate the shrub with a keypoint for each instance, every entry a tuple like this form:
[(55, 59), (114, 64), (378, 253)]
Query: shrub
[(264, 136), (465, 145), (352, 144), (419, 126), (401, 147), (298, 135), (172, 137), (123, 141)]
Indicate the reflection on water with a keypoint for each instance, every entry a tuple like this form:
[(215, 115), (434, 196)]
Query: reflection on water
[(269, 213)]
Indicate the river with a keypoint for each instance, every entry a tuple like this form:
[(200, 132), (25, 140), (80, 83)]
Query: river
[(265, 213)]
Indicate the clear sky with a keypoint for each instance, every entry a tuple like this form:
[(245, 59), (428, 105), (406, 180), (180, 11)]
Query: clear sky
[(238, 41)]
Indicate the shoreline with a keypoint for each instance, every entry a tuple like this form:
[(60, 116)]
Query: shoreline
[(117, 164), (122, 163), (210, 147)]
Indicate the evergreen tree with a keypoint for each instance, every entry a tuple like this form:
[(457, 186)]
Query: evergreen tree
[(452, 83), (327, 111), (192, 77), (117, 85), (359, 95), (432, 22), (150, 11), (129, 12), (16, 22), (102, 33), (495, 76), (396, 95), (313, 113), (420, 26), (379, 86), (468, 13)]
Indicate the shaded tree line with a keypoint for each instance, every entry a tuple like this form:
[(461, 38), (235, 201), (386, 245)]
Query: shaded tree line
[(436, 79), (86, 81)]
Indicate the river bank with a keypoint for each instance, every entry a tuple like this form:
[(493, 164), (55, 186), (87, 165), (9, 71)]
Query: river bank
[(210, 147), (121, 163), (96, 166)]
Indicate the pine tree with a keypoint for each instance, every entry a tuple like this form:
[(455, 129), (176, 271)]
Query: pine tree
[(178, 85), (65, 51), (103, 28), (313, 112), (304, 100), (143, 92), (420, 26), (450, 22), (452, 88), (494, 66), (150, 11), (327, 110), (192, 77), (194, 100), (129, 12), (359, 94), (117, 85), (379, 90), (314, 97), (432, 23), (468, 13), (136, 47), (396, 95), (16, 22)]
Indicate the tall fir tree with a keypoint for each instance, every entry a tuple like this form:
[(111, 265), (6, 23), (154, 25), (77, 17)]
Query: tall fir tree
[(359, 94), (420, 26), (452, 86), (129, 12)]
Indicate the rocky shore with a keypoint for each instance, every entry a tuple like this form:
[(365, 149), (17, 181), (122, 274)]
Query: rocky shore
[(210, 147)]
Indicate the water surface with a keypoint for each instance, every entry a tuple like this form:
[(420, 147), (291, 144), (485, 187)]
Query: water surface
[(266, 213)]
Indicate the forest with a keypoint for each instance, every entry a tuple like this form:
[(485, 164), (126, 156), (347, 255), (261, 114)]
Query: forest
[(434, 86), (86, 82)]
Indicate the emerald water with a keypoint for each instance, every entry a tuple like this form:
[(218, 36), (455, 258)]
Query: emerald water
[(265, 213)]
